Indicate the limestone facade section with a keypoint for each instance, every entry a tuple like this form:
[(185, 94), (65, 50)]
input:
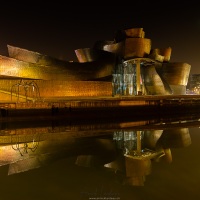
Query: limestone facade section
[(40, 89)]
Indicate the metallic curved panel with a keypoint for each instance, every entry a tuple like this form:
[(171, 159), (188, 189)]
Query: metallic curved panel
[(61, 70), (129, 33), (176, 73), (29, 56), (154, 54), (135, 32), (83, 55), (86, 55), (166, 52), (153, 82), (161, 55), (13, 68), (110, 46), (136, 47)]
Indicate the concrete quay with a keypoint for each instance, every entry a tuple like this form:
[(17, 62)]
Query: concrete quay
[(105, 104)]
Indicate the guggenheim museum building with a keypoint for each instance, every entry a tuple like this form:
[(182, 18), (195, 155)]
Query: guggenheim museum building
[(127, 65)]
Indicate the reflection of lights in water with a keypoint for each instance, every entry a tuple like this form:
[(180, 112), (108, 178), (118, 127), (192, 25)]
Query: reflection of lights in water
[(146, 153), (131, 143), (128, 141)]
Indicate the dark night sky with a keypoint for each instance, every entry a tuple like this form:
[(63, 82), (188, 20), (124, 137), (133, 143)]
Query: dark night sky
[(58, 29)]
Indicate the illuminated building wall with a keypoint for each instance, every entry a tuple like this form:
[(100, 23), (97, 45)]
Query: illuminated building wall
[(52, 88), (125, 66)]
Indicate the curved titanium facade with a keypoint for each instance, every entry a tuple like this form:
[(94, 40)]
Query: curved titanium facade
[(125, 66)]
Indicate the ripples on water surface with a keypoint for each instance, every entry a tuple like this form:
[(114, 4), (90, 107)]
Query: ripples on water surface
[(91, 159)]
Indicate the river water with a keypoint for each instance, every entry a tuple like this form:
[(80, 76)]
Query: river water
[(127, 159)]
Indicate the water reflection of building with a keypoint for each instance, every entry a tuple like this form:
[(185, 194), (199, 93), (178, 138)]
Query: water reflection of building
[(126, 153), (139, 149), (125, 66), (29, 155)]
